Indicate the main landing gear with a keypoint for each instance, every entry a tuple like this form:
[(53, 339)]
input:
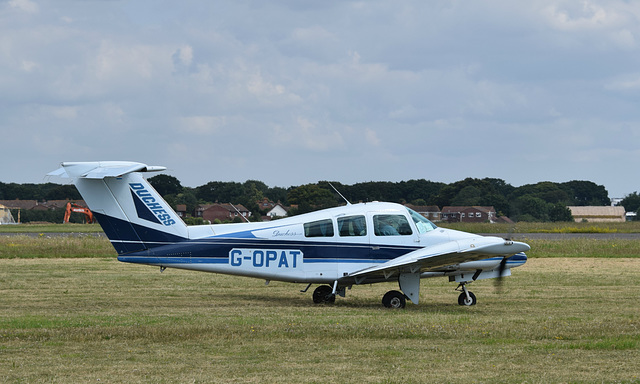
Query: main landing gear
[(323, 294), (466, 297), (394, 300)]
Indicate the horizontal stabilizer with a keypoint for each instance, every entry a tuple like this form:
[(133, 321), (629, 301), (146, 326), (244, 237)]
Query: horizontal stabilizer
[(101, 169)]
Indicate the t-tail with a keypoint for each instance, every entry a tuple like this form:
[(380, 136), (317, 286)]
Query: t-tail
[(132, 214)]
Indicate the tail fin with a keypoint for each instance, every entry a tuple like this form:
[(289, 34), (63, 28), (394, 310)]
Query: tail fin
[(131, 213)]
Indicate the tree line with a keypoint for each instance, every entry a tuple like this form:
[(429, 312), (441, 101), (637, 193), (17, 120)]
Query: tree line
[(543, 201)]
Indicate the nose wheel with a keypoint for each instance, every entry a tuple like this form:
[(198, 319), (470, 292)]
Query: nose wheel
[(466, 297)]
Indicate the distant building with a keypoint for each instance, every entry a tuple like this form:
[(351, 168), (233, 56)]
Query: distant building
[(277, 211), (265, 204), (181, 210), (598, 214), (466, 214), (19, 204), (222, 212)]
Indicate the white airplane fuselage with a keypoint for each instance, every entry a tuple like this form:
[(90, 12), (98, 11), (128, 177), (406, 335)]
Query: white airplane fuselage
[(350, 245), (279, 251)]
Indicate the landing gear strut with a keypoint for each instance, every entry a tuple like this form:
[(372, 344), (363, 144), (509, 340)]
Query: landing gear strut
[(466, 297)]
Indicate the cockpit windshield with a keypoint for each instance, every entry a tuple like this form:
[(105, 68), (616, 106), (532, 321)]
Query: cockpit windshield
[(422, 223)]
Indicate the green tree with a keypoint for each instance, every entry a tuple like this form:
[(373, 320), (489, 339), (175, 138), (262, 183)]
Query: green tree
[(219, 191), (310, 197), (277, 194), (587, 193), (631, 202), (532, 206), (469, 195), (165, 184), (559, 212)]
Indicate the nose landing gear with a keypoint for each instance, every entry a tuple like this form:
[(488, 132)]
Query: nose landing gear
[(466, 297)]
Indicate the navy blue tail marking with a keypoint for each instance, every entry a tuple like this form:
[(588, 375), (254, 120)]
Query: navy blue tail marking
[(142, 210), (128, 237)]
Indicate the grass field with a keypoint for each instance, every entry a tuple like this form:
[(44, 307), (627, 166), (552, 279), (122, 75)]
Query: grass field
[(65, 317), (48, 228)]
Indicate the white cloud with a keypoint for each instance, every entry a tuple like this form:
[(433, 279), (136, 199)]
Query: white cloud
[(65, 113), (201, 125), (116, 61), (24, 5), (372, 137), (625, 82), (28, 66), (580, 16)]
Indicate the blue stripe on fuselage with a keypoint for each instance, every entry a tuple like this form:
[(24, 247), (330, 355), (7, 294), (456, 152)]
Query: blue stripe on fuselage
[(201, 250)]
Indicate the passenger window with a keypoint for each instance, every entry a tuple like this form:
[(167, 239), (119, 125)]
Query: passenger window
[(391, 225), (321, 228), (352, 226)]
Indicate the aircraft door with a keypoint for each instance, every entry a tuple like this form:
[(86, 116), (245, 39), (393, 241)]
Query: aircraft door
[(353, 244)]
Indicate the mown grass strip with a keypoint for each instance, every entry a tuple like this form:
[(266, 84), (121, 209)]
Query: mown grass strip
[(51, 228), (45, 246), (524, 227), (583, 247)]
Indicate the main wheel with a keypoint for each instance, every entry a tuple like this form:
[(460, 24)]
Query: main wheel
[(323, 294), (394, 299), (462, 299)]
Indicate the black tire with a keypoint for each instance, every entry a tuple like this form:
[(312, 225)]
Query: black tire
[(462, 299), (323, 294), (394, 300)]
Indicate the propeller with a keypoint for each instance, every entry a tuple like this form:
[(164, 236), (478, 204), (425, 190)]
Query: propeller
[(503, 262), (501, 269)]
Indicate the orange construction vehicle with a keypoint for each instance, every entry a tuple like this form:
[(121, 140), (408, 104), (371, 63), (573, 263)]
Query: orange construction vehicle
[(73, 207)]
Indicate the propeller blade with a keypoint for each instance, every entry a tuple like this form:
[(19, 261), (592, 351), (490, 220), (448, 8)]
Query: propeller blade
[(501, 269)]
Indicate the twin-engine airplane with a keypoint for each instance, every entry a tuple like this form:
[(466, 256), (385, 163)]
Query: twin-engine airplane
[(337, 248)]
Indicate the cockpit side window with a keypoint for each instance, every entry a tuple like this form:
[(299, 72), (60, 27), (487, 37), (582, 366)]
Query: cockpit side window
[(320, 228), (391, 225), (352, 226), (422, 223)]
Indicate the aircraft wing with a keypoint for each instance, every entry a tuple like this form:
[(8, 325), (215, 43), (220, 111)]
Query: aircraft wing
[(439, 257)]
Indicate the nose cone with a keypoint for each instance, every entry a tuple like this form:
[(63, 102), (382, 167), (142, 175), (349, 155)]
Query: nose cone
[(518, 246)]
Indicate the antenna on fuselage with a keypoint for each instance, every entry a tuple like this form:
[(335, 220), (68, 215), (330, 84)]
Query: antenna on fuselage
[(338, 192), (234, 207)]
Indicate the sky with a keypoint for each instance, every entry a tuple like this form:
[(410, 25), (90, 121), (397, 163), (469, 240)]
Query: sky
[(293, 92)]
